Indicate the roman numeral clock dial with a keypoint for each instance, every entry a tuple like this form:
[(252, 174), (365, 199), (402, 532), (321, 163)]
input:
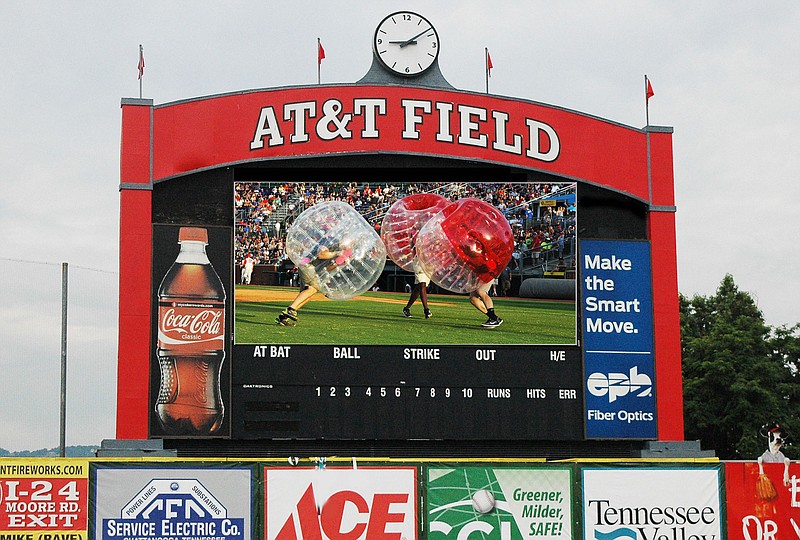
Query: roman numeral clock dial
[(406, 43)]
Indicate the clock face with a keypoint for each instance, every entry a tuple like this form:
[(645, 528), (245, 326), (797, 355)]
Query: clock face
[(406, 43)]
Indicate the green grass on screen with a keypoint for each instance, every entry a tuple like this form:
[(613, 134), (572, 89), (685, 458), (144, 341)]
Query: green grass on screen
[(376, 318)]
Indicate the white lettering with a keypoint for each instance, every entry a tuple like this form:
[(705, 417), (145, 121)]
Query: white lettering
[(484, 354), (500, 121), (445, 109), (369, 107), (297, 112), (752, 529), (412, 119), (610, 327), (616, 306), (469, 126), (267, 127), (279, 351), (332, 125), (536, 128), (205, 322), (421, 354), (604, 263), (616, 385), (346, 352)]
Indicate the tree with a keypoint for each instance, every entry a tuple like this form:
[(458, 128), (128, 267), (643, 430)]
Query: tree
[(737, 373)]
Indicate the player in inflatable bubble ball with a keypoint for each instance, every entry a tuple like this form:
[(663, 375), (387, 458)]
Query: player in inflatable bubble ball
[(464, 248), (399, 231), (483, 302), (337, 253)]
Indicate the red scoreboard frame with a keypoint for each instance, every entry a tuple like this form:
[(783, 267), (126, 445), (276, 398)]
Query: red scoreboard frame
[(163, 142)]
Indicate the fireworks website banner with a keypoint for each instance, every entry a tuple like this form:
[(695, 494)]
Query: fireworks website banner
[(43, 499)]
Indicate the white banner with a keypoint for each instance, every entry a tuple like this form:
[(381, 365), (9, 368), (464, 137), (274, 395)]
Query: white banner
[(336, 502), (652, 504)]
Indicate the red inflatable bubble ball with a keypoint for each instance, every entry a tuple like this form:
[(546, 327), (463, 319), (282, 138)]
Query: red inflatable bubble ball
[(465, 245)]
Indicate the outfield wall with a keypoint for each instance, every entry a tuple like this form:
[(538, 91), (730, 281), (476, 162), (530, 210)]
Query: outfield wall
[(124, 499)]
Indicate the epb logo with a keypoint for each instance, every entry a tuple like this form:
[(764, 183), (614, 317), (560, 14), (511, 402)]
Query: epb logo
[(616, 385)]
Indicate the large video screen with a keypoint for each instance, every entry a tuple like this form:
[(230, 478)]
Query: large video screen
[(376, 362), (542, 218)]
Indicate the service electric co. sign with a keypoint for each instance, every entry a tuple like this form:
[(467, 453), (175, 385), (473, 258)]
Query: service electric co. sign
[(171, 503)]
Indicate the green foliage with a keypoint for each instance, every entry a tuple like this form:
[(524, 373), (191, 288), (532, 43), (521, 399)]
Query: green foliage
[(738, 373)]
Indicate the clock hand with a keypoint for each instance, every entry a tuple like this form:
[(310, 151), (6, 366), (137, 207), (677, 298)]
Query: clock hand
[(413, 39), (404, 41)]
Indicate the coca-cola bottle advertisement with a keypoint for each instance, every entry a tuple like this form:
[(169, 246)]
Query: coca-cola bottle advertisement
[(189, 374)]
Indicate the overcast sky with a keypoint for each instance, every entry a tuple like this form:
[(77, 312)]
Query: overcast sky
[(726, 76)]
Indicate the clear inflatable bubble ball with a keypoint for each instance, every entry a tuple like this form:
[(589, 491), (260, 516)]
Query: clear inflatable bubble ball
[(336, 251), (403, 221)]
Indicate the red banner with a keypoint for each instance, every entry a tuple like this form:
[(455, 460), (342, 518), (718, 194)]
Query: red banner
[(325, 120), (763, 506)]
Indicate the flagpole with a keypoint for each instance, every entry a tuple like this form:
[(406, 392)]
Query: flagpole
[(646, 103), (141, 73), (486, 66), (319, 62)]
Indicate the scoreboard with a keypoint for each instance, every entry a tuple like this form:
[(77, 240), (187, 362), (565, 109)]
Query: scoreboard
[(455, 397), (596, 358)]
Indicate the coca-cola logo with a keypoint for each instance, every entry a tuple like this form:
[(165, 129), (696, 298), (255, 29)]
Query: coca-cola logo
[(192, 324)]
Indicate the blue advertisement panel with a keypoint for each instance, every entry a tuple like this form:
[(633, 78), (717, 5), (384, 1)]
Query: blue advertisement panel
[(172, 503), (617, 327)]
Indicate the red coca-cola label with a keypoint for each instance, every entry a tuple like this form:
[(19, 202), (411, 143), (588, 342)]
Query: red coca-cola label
[(191, 326)]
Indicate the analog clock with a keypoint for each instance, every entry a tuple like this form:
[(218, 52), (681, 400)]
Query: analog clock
[(406, 43)]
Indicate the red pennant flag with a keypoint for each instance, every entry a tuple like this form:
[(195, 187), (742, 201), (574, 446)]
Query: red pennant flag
[(320, 53), (489, 65), (648, 91), (141, 62)]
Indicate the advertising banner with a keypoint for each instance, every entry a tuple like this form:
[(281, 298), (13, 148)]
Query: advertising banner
[(172, 503), (43, 499), (617, 316), (191, 314), (666, 503), (333, 503), (508, 503), (763, 506)]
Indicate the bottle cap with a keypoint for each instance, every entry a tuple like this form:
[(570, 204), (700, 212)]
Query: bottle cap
[(195, 234)]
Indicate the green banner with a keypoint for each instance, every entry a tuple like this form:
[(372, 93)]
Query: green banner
[(508, 503)]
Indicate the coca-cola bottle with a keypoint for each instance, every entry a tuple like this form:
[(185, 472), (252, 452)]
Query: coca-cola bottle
[(191, 343)]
